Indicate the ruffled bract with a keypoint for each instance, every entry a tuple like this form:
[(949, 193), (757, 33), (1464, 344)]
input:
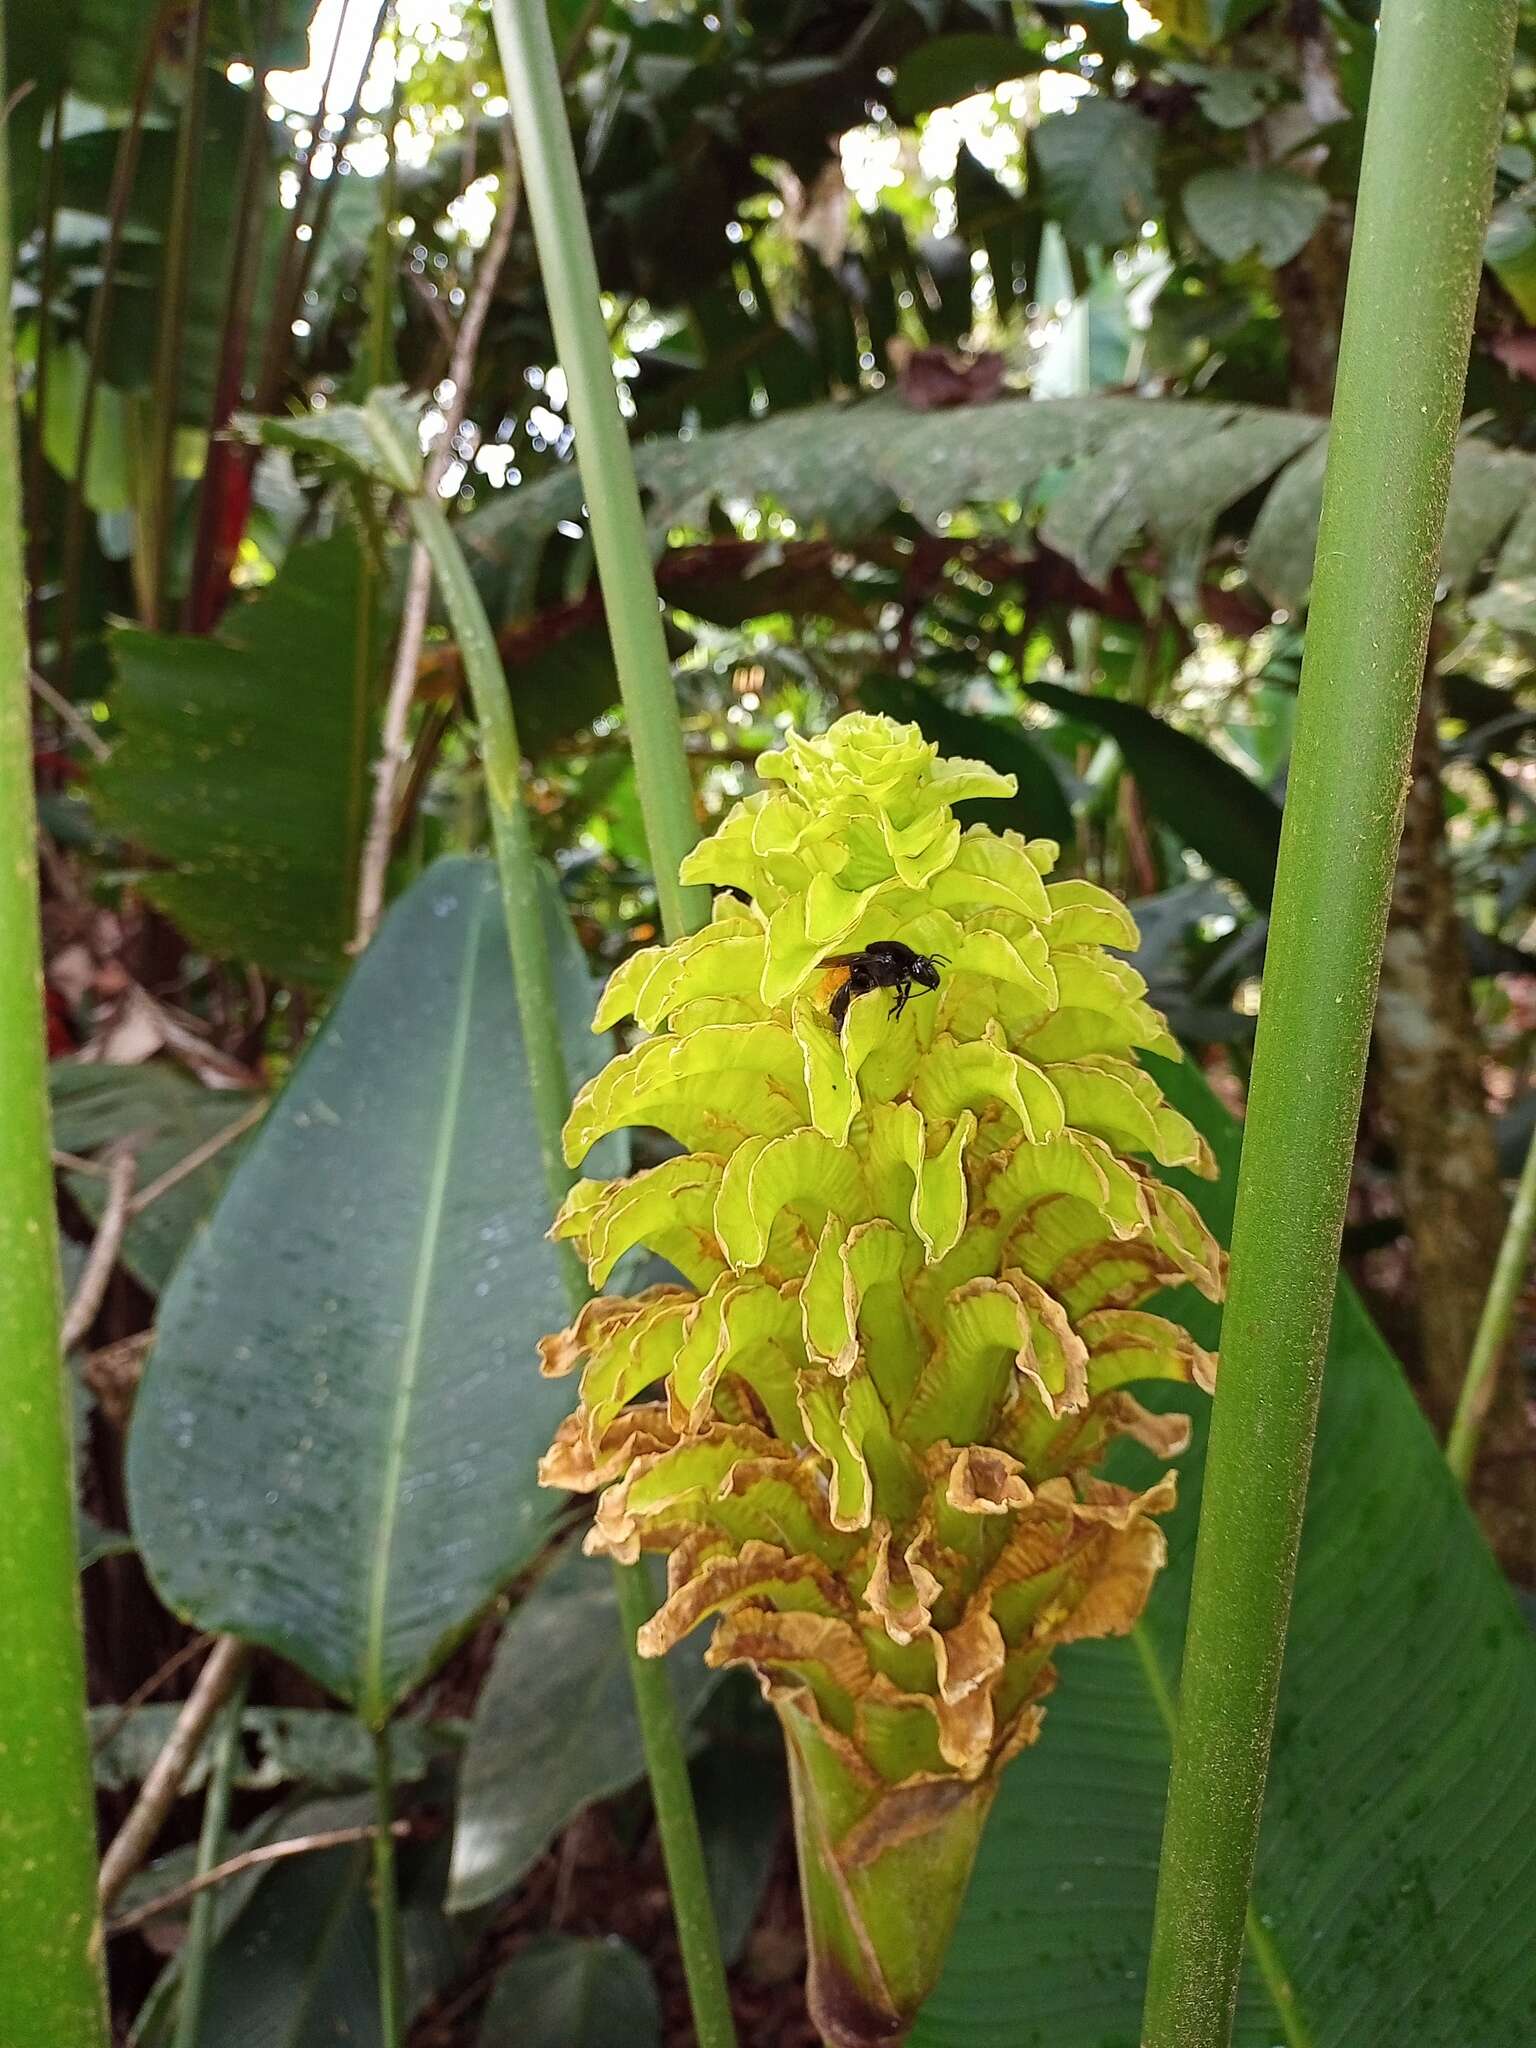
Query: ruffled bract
[(914, 1256)]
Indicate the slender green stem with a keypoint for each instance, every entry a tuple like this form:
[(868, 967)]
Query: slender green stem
[(677, 1821), (50, 1981), (619, 539), (1435, 114), (125, 168), (549, 1083), (173, 316), (386, 1896), (223, 1758), (1493, 1325), (517, 861)]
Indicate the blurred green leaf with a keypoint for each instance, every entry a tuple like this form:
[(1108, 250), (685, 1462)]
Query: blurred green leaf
[(951, 68), (1098, 164), (1232, 823), (563, 1991), (241, 766), (555, 1726), (1269, 213)]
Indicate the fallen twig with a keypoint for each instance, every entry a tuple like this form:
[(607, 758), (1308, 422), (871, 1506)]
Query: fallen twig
[(102, 1257), (198, 1156), (148, 1689), (70, 715), (158, 1793), (394, 751), (248, 1859)]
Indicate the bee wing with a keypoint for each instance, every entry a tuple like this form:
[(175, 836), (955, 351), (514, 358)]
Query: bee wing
[(841, 960)]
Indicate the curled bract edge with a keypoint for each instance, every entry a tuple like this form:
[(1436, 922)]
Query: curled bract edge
[(913, 1258)]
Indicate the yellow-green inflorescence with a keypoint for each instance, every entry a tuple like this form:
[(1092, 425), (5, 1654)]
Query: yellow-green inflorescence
[(914, 1254)]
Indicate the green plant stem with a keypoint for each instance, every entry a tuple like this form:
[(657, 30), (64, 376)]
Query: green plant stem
[(224, 1756), (386, 1895), (517, 862), (125, 167), (1493, 1325), (50, 1981), (173, 314), (549, 1083), (619, 539), (1436, 107)]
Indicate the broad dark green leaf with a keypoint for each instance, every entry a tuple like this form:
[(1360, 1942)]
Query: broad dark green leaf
[(168, 1116), (565, 1992), (1396, 1883), (1039, 809), (555, 1726), (1232, 823), (334, 1448), (742, 1799), (1230, 96), (1098, 164), (949, 68), (1245, 212), (241, 766)]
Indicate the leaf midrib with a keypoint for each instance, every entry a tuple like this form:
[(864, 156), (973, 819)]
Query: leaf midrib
[(1261, 1943), (373, 1704)]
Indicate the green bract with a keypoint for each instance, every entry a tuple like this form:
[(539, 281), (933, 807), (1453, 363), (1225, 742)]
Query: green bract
[(914, 1255)]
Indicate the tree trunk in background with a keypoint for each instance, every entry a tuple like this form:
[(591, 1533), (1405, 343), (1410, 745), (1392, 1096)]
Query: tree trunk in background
[(1429, 1071), (1310, 293)]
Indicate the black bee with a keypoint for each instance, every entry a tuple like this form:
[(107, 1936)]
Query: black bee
[(883, 963)]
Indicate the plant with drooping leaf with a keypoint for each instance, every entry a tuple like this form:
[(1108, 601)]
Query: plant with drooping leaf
[(914, 1254)]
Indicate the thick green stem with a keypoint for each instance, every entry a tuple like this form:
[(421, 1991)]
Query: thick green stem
[(210, 1848), (619, 538), (1493, 1326), (549, 1083), (386, 1896), (1434, 122), (50, 1943)]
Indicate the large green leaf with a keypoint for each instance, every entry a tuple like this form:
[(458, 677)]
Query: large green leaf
[(241, 765), (1098, 478), (949, 68), (1098, 164), (1396, 1884), (564, 1992), (333, 1450), (1250, 211), (554, 1727)]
